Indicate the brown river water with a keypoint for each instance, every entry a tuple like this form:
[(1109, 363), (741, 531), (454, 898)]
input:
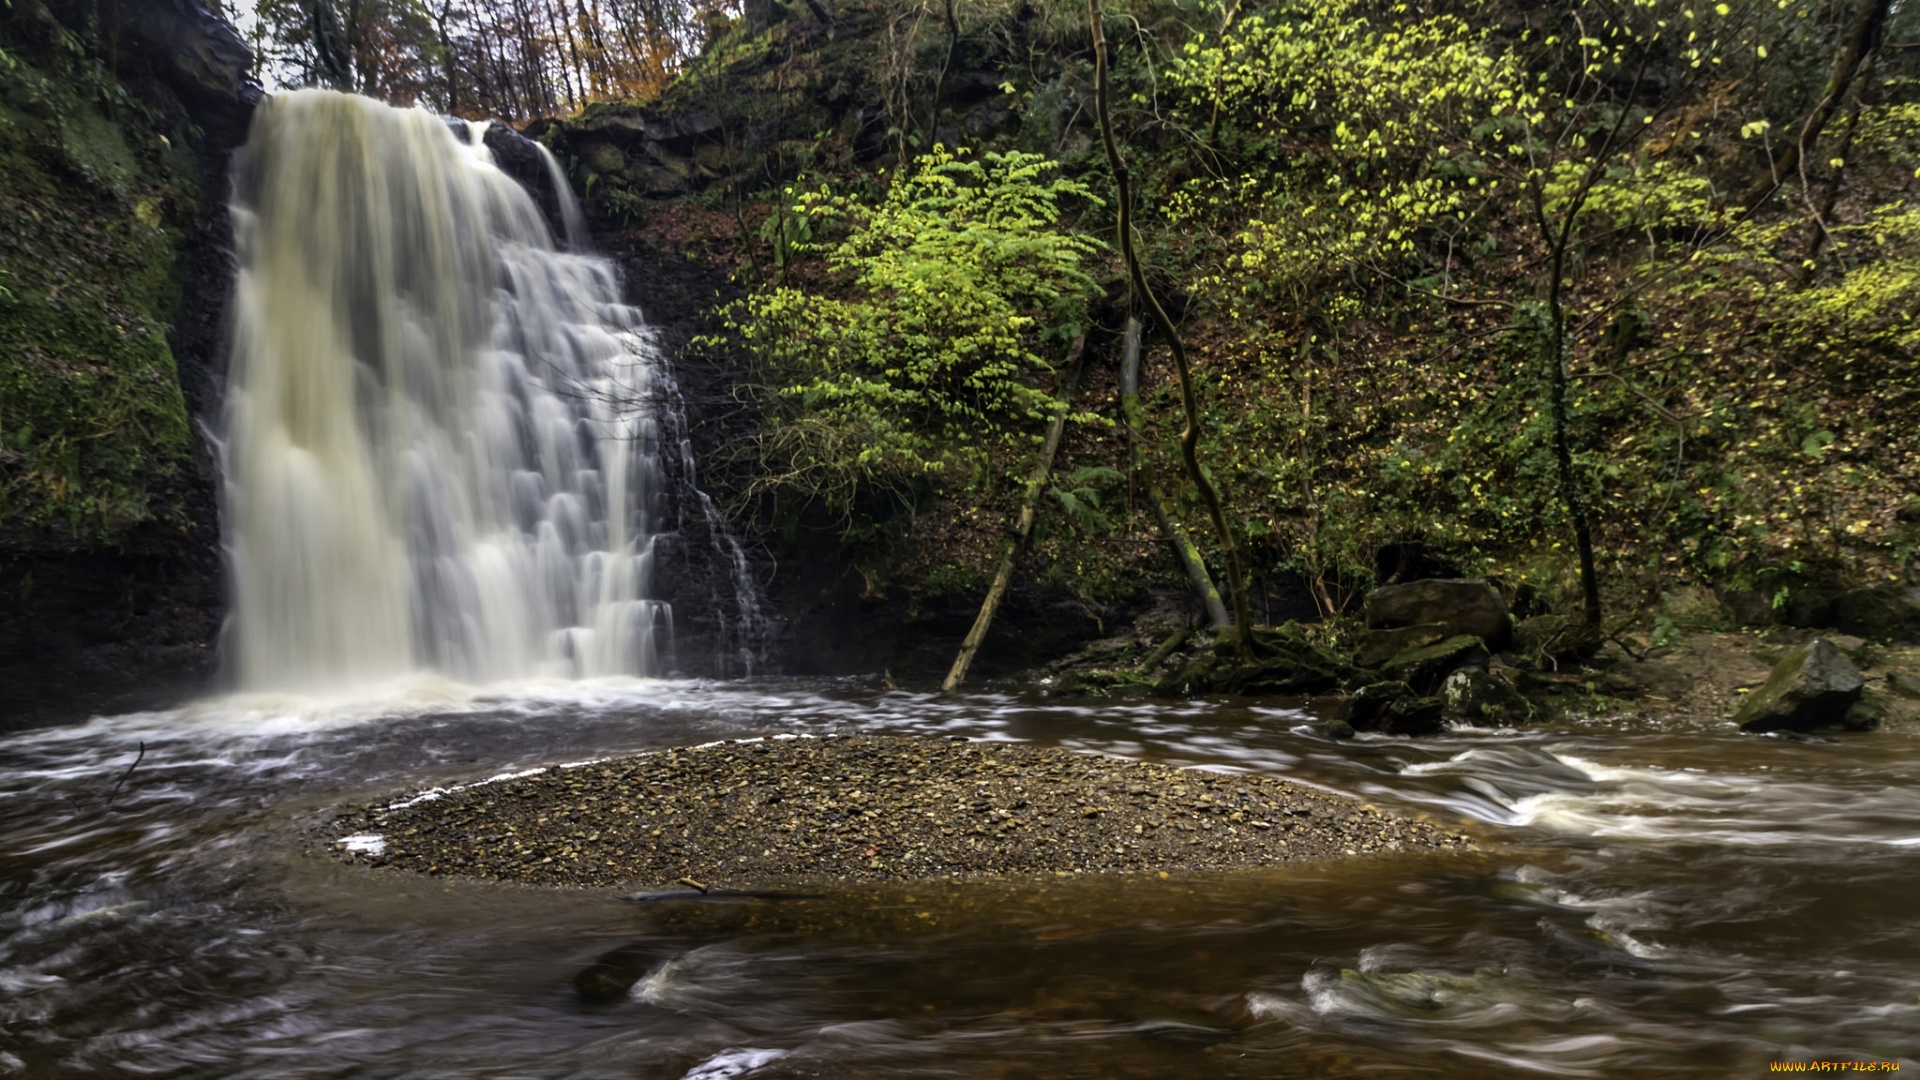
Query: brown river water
[(1645, 900)]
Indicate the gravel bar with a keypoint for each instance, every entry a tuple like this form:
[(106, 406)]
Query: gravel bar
[(862, 808)]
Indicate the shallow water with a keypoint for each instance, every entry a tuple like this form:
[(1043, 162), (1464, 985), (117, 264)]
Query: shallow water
[(1646, 900)]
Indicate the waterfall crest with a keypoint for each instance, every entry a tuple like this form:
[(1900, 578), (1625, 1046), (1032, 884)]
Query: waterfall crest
[(443, 437)]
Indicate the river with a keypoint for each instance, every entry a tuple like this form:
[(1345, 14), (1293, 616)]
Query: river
[(1645, 900)]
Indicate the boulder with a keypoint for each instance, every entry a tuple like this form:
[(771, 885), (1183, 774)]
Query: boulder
[(1423, 668), (603, 158), (1812, 687), (1903, 684), (1867, 714), (1463, 605), (1477, 697), (1376, 647)]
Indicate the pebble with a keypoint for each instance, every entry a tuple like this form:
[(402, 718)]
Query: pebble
[(865, 808)]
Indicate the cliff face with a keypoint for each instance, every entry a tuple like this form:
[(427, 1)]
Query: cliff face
[(118, 120)]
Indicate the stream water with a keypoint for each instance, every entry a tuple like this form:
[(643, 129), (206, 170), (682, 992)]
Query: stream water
[(1645, 901)]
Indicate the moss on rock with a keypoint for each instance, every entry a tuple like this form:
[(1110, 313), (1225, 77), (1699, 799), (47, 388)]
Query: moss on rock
[(92, 421)]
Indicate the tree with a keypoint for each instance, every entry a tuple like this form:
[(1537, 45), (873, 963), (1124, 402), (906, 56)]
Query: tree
[(920, 353), (1144, 296)]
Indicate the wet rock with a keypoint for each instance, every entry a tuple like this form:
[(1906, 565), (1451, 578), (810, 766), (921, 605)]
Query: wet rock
[(1468, 606), (1903, 684), (1393, 708), (1414, 716), (603, 158), (1477, 697), (197, 52), (1867, 714), (1190, 677), (1812, 687), (1425, 667), (1364, 706), (1376, 647), (611, 977)]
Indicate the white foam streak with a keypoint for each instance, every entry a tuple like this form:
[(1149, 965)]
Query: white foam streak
[(1668, 805)]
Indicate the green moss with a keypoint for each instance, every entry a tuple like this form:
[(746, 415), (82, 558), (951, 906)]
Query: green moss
[(92, 421)]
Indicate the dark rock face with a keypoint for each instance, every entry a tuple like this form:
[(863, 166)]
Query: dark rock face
[(91, 626), (1464, 605), (1544, 637), (521, 158), (1879, 614), (196, 53), (1812, 687)]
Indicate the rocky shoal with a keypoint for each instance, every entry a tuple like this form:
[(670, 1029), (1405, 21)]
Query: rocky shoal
[(862, 808)]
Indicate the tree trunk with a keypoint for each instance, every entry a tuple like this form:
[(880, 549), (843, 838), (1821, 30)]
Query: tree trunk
[(1190, 437), (1184, 552), (1023, 525), (1862, 41)]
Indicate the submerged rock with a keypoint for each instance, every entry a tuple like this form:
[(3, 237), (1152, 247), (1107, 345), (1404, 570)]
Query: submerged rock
[(1467, 606), (1813, 686), (1413, 992)]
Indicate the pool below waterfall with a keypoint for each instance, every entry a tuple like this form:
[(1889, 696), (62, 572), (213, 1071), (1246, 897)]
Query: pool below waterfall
[(1644, 900)]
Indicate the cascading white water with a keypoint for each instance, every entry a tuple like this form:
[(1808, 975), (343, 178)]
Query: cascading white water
[(442, 435)]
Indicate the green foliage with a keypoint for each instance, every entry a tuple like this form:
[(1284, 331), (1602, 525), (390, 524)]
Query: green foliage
[(1079, 497), (924, 345)]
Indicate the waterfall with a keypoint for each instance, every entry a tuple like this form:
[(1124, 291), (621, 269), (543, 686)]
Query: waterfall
[(443, 440)]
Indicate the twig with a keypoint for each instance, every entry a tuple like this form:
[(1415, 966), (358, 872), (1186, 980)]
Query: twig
[(123, 776)]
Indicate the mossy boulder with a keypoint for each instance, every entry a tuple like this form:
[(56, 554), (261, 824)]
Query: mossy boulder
[(1813, 686), (1469, 606), (1376, 647), (1477, 697), (1424, 668)]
